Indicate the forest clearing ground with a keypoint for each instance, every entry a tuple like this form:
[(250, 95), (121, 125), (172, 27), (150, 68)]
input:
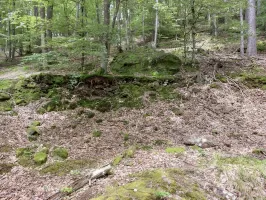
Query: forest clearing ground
[(231, 117)]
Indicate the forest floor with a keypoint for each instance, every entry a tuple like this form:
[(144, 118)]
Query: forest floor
[(217, 129)]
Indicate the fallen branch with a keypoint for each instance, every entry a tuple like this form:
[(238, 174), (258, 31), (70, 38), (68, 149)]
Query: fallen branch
[(82, 182)]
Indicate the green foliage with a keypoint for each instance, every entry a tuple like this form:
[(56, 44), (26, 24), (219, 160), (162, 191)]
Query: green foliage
[(38, 58), (145, 61)]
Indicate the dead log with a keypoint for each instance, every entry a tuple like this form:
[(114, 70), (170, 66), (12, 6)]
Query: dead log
[(82, 182)]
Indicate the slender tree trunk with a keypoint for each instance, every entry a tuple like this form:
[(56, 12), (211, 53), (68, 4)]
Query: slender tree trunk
[(252, 41), (126, 25), (117, 6), (156, 25), (43, 42), (193, 29), (143, 24), (242, 45), (9, 40), (50, 10), (13, 33), (77, 18), (98, 11), (106, 39), (82, 9), (214, 25)]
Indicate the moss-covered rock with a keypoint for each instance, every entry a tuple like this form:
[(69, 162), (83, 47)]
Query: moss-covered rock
[(40, 158), (89, 114), (25, 156), (60, 152), (145, 61), (4, 96), (33, 133), (150, 185)]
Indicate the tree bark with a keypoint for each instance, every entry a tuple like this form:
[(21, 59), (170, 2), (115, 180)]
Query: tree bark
[(193, 29), (106, 39), (252, 41), (50, 9), (242, 46), (156, 25), (82, 9)]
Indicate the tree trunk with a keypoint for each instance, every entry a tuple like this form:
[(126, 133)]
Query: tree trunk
[(252, 41), (106, 41), (143, 24), (242, 46), (43, 42), (82, 9), (13, 33), (50, 9), (98, 12), (193, 29), (156, 25), (214, 25)]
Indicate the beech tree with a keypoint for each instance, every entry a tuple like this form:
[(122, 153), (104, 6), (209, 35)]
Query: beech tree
[(252, 42)]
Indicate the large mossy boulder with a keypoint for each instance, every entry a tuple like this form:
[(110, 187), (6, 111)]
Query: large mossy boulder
[(146, 61)]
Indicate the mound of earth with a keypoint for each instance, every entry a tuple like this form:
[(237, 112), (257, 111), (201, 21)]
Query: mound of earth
[(146, 61)]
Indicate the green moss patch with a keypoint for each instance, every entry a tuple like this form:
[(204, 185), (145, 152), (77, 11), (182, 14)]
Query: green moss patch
[(40, 158), (60, 152), (175, 150), (65, 167), (117, 160), (150, 185), (96, 133), (25, 156)]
